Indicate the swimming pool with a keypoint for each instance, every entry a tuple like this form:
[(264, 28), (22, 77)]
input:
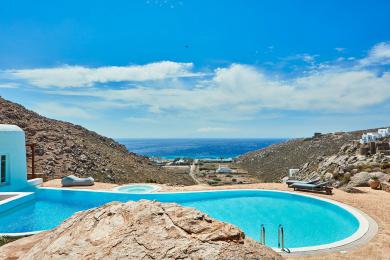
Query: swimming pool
[(137, 188), (308, 222)]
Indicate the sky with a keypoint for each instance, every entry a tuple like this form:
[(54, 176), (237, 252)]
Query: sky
[(199, 69)]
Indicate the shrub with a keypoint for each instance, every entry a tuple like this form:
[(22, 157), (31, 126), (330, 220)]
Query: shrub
[(5, 240), (151, 181)]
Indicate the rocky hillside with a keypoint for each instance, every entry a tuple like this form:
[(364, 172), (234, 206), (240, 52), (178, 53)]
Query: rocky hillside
[(347, 168), (64, 148), (272, 163), (139, 230)]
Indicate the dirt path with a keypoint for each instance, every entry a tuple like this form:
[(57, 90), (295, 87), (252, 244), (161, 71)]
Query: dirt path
[(193, 170)]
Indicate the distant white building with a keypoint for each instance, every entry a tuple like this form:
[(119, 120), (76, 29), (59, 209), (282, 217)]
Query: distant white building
[(292, 172), (384, 132), (372, 137), (13, 163), (180, 162), (224, 170), (369, 137)]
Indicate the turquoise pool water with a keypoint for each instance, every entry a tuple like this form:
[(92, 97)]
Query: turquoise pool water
[(307, 221), (137, 188)]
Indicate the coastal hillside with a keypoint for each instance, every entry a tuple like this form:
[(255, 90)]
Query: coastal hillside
[(63, 148), (272, 163)]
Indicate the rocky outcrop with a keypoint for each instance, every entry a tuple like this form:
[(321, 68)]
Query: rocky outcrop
[(329, 156), (64, 149), (385, 186), (361, 179), (272, 163), (347, 168), (139, 230)]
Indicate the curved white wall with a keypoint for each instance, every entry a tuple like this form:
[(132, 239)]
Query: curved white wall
[(13, 145)]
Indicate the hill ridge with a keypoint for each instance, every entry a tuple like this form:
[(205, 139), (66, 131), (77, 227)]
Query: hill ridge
[(64, 148)]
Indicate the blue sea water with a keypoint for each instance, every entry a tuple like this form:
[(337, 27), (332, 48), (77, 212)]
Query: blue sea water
[(196, 148)]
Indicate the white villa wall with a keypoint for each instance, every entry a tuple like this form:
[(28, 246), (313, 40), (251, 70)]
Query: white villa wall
[(224, 170), (370, 137), (13, 145), (384, 132), (292, 172)]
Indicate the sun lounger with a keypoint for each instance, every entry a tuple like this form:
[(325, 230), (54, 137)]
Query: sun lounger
[(72, 180), (291, 182), (321, 186)]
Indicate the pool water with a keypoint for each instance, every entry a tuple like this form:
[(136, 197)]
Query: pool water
[(137, 188), (306, 221)]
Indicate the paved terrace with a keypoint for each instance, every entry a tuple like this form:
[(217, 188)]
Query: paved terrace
[(375, 203)]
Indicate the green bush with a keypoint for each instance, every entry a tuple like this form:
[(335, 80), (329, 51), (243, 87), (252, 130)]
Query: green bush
[(151, 181), (6, 240)]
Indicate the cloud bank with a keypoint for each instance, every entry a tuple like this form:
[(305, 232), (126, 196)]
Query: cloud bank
[(237, 91), (78, 76)]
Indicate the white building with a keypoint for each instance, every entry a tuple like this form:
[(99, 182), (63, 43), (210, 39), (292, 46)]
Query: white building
[(224, 170), (372, 137), (369, 137), (292, 172), (384, 132), (13, 164)]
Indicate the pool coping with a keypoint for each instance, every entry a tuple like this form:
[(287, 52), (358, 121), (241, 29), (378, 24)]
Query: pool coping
[(366, 231), (18, 199)]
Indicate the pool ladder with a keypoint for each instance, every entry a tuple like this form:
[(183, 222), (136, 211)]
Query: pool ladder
[(280, 237), (262, 234)]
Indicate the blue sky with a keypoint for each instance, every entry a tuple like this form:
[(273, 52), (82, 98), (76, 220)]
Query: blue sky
[(152, 68)]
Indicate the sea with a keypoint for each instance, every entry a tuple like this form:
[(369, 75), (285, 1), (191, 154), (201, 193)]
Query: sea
[(196, 148)]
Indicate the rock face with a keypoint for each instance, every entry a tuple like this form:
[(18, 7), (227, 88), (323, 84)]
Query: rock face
[(64, 149), (329, 156), (139, 230), (347, 168), (272, 163)]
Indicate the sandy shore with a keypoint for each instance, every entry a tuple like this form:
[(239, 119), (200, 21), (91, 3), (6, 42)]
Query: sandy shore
[(375, 203)]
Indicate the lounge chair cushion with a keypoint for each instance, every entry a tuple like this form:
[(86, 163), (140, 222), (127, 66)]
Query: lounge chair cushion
[(72, 180), (322, 186), (290, 182), (310, 185)]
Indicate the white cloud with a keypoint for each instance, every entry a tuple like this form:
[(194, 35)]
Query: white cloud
[(236, 92), (242, 90), (140, 120), (214, 130), (9, 85), (378, 55), (78, 76), (339, 49), (308, 58), (60, 111)]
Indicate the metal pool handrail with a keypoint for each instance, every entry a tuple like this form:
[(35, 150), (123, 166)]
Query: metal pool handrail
[(281, 239), (262, 234)]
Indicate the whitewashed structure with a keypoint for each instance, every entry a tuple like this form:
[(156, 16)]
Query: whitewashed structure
[(372, 137), (224, 170), (13, 164), (384, 132), (369, 137), (292, 172)]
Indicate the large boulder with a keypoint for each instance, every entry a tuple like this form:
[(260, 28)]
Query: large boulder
[(139, 230), (361, 179)]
